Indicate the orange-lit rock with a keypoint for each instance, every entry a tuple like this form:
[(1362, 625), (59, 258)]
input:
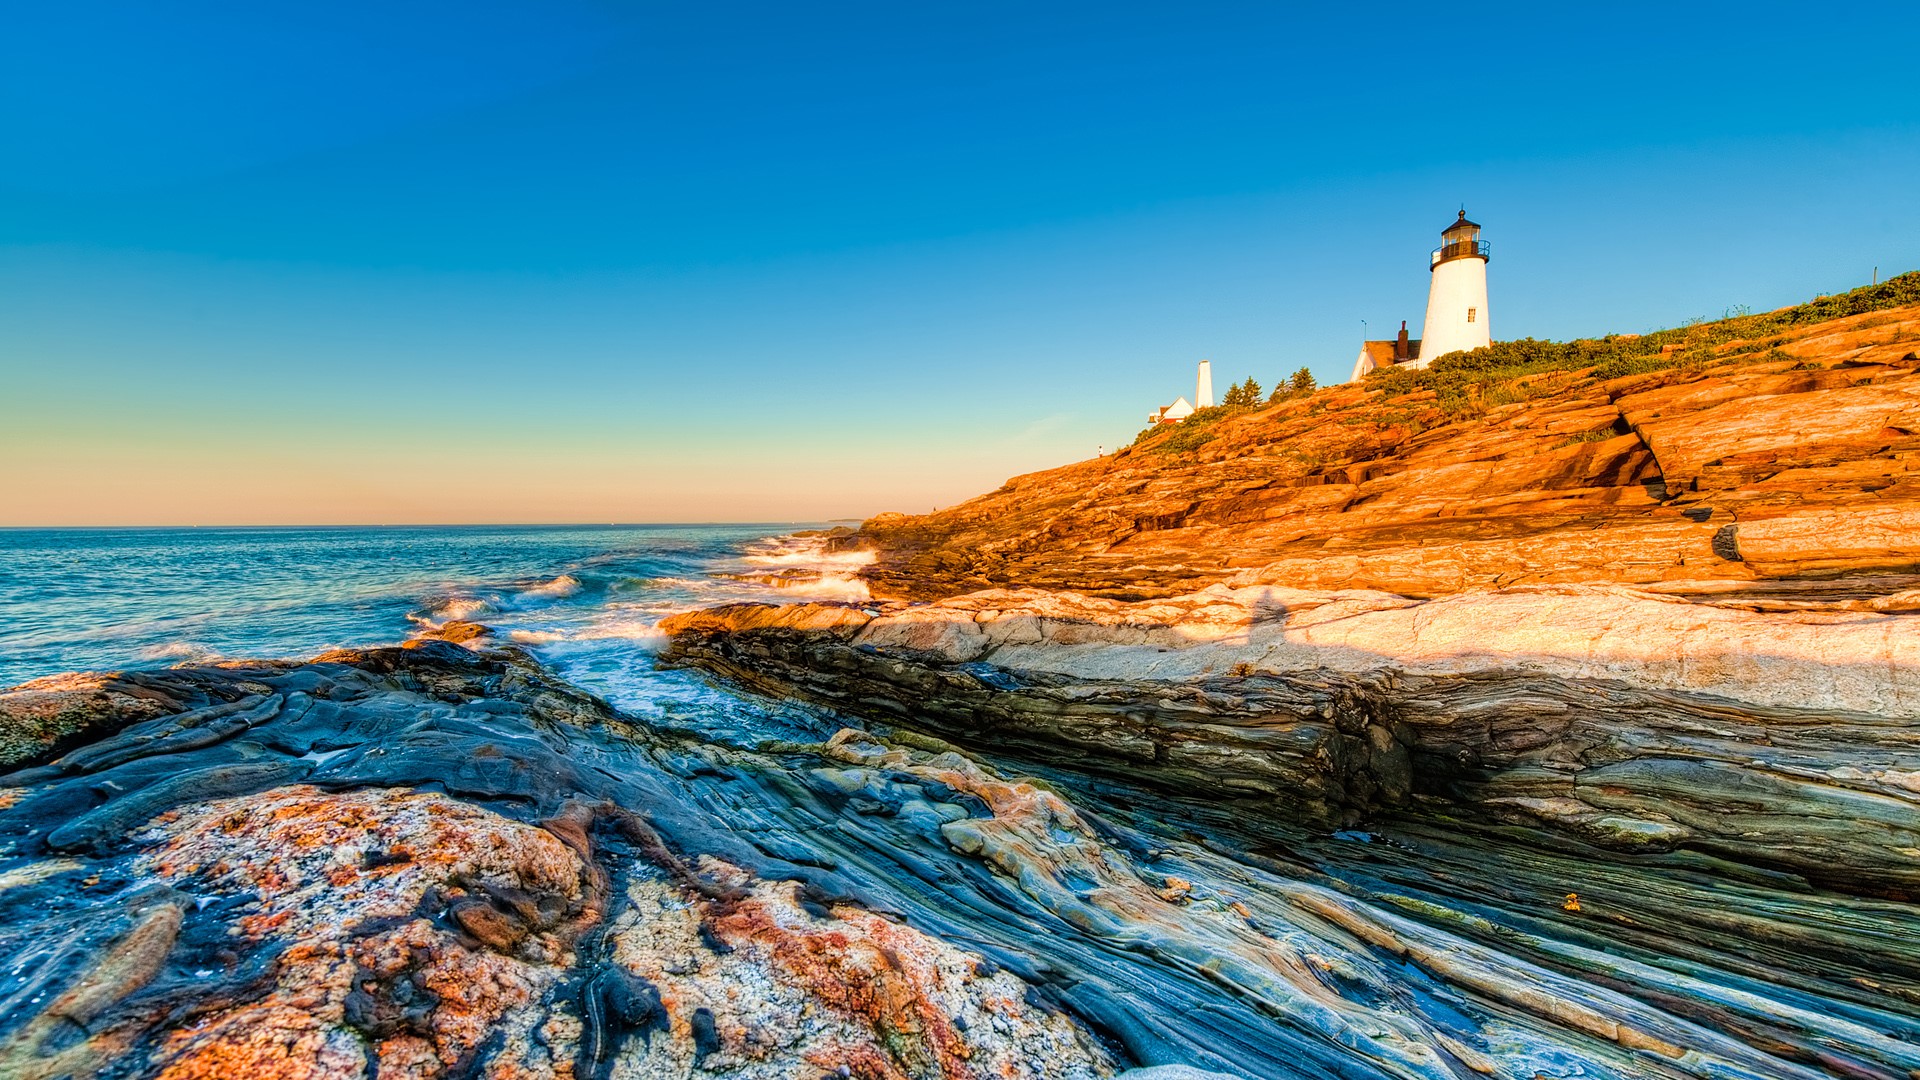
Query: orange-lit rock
[(1625, 482)]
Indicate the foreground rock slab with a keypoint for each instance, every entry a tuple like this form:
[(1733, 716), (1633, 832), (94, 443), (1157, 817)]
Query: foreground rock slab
[(439, 862)]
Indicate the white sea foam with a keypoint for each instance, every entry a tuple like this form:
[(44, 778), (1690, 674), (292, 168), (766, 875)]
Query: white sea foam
[(827, 587), (803, 567), (183, 651), (454, 609), (693, 585), (637, 628), (806, 551), (562, 586)]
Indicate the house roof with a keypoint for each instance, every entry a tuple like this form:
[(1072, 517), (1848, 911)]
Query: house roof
[(1381, 352)]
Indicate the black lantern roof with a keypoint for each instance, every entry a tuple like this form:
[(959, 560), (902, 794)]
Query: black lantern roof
[(1456, 226)]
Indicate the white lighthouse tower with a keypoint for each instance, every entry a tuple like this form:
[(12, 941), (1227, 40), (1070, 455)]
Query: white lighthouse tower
[(1203, 386), (1457, 296)]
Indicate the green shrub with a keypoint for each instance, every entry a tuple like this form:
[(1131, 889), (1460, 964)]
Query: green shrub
[(1193, 432)]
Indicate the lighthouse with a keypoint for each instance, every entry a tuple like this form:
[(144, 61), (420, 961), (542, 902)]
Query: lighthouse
[(1456, 306), (1457, 295)]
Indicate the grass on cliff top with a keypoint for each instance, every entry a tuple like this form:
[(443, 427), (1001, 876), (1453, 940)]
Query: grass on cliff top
[(1466, 384)]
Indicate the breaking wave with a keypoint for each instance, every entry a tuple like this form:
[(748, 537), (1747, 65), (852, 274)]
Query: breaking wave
[(828, 587), (562, 586), (805, 551), (186, 652)]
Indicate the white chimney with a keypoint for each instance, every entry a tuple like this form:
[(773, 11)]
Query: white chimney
[(1203, 390)]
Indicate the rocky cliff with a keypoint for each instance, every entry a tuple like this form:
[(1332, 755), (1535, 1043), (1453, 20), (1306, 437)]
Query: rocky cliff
[(1766, 455), (1652, 619), (1677, 607)]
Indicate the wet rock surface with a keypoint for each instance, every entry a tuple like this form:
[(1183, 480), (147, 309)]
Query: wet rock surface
[(424, 862), (435, 862), (1570, 735)]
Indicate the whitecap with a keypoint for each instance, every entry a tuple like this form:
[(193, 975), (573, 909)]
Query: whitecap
[(562, 586), (452, 609)]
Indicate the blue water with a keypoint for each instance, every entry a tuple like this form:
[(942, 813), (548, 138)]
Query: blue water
[(584, 599)]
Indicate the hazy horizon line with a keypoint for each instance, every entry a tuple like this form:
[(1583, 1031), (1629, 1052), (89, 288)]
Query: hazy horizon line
[(444, 525)]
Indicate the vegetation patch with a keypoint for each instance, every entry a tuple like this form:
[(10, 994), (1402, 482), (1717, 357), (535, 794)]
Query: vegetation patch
[(1462, 385), (1468, 383), (1189, 434)]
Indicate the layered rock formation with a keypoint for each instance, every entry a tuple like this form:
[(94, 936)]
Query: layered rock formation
[(1624, 719), (405, 862), (428, 862), (1773, 467)]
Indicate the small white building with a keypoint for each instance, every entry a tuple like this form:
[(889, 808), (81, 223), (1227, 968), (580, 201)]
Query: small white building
[(1456, 306), (1181, 407), (1171, 414)]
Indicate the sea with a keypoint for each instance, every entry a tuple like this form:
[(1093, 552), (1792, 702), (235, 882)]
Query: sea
[(585, 600)]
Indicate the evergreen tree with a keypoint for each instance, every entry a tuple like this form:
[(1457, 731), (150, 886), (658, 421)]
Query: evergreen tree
[(1244, 395), (1303, 382)]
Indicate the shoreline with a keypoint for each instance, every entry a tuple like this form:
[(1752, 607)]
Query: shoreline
[(1617, 779)]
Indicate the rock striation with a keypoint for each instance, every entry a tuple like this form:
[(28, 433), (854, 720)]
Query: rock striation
[(433, 861), (1628, 720), (1356, 736), (399, 862)]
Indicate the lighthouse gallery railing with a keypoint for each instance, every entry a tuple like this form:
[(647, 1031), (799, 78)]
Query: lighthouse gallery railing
[(1458, 250)]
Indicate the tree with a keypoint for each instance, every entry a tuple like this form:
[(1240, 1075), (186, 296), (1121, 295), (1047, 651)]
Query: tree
[(1242, 395), (1301, 384)]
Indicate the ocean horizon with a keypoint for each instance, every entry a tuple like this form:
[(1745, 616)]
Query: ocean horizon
[(120, 598)]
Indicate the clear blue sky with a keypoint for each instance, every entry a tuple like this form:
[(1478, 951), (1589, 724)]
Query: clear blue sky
[(595, 261)]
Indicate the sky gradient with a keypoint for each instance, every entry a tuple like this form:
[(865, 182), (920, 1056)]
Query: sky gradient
[(559, 262)]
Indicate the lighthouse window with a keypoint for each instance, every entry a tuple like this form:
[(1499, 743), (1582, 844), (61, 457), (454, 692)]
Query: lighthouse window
[(1470, 312)]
